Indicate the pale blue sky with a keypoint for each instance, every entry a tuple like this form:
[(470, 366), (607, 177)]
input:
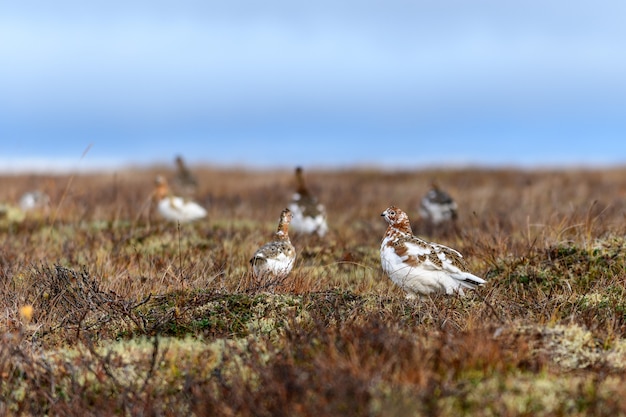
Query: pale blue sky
[(391, 83)]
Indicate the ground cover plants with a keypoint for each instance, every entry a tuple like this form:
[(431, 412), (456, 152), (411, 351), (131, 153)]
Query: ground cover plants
[(106, 309)]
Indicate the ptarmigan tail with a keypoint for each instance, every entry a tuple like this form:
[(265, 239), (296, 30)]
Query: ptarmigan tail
[(467, 280)]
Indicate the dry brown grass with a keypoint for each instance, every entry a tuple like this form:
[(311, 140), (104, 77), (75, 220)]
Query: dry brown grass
[(165, 320)]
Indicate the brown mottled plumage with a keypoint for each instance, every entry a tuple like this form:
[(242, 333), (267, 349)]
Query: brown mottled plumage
[(418, 266), (272, 262)]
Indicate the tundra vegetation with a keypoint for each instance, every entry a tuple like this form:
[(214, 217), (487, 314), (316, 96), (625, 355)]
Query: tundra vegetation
[(108, 309)]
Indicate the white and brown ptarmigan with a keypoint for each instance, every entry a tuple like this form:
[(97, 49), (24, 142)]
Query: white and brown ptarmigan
[(174, 208), (437, 206), (34, 200), (273, 261), (420, 267), (309, 216)]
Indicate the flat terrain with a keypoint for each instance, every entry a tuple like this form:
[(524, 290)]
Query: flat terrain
[(107, 309)]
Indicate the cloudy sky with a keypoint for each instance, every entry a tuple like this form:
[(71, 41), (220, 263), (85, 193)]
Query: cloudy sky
[(326, 83)]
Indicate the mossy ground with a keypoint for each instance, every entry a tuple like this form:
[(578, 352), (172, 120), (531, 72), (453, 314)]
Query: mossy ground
[(132, 315)]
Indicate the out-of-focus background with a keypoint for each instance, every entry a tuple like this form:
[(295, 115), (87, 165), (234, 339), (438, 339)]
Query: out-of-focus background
[(325, 83)]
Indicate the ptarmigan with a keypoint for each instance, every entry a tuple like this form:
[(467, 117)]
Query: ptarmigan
[(33, 200), (272, 262), (437, 206), (184, 181), (309, 216), (418, 266), (175, 208)]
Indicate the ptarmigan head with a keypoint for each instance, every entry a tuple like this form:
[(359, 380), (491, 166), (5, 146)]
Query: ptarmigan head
[(397, 219)]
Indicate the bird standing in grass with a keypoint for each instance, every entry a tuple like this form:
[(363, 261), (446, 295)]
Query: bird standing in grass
[(175, 208), (33, 200), (272, 262), (437, 206), (420, 267), (309, 216)]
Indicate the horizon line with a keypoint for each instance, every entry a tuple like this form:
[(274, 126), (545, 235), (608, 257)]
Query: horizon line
[(60, 166)]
